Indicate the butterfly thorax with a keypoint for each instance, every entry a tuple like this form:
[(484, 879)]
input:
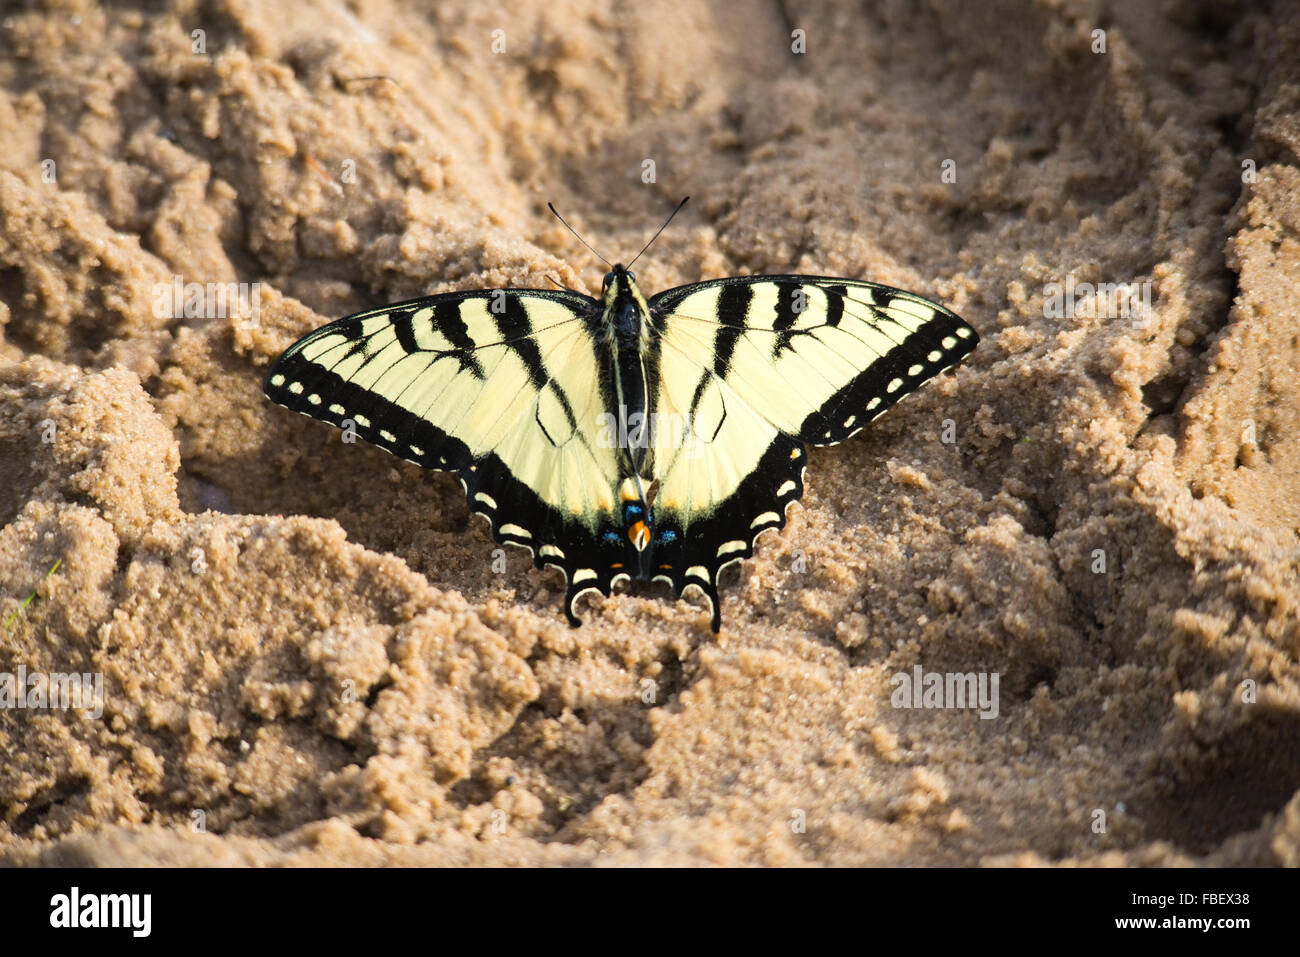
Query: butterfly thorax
[(625, 314), (624, 326)]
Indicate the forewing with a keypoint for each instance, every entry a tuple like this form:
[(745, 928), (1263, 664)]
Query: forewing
[(818, 357)]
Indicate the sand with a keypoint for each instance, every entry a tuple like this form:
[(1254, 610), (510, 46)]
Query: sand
[(308, 651)]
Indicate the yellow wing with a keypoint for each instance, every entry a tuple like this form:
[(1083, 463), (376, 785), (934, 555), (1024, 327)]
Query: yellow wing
[(502, 386), (762, 366)]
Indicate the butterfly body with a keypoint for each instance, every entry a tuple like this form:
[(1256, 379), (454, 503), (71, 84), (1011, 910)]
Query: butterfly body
[(624, 437)]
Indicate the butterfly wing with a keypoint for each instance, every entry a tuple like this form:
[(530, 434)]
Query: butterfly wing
[(501, 386), (762, 366)]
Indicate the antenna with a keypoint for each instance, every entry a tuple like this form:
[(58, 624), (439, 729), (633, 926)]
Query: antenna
[(661, 229), (551, 207)]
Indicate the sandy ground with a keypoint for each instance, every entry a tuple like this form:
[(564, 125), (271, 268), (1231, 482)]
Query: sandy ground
[(308, 653)]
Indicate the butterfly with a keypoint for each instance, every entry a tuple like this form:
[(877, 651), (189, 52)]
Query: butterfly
[(625, 437)]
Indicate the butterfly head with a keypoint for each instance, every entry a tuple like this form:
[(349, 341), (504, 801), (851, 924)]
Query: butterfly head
[(620, 280)]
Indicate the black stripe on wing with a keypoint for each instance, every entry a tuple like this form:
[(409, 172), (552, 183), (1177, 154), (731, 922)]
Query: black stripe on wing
[(312, 389), (733, 309)]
